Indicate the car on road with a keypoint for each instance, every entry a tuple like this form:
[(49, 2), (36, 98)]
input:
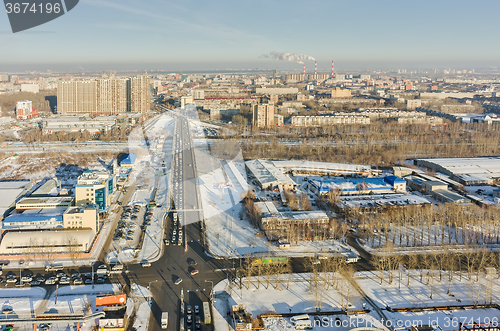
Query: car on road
[(145, 264), (167, 242), (26, 279), (174, 232), (51, 281), (189, 319), (178, 281), (196, 309), (174, 238), (188, 309), (197, 319), (192, 262), (77, 281), (64, 281), (194, 272)]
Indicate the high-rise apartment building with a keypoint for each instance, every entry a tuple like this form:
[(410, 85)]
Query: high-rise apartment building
[(104, 96), (111, 96), (139, 94), (263, 115), (76, 97)]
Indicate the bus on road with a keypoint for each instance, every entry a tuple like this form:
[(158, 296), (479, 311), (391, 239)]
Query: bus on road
[(206, 313)]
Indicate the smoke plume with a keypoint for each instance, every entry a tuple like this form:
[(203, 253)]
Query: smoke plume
[(288, 57)]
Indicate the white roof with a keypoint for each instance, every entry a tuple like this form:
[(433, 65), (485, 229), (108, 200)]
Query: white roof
[(321, 166), (83, 236), (489, 166)]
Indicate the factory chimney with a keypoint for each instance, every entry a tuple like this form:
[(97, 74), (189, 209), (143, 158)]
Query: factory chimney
[(304, 71), (315, 67)]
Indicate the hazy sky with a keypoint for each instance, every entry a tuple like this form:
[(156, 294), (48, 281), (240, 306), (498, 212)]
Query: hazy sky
[(206, 34)]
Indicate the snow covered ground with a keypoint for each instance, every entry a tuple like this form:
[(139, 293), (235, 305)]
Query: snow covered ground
[(71, 299), (301, 297), (228, 232)]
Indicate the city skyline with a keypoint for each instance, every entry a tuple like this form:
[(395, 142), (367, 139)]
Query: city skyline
[(106, 34)]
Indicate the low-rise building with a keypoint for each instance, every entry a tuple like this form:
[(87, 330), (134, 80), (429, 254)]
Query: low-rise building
[(47, 242), (81, 217), (74, 124), (277, 225), (95, 188), (420, 120), (323, 120), (358, 186), (115, 308), (10, 192), (267, 176), (43, 202)]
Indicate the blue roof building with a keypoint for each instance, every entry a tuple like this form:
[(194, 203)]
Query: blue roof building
[(357, 186), (128, 160)]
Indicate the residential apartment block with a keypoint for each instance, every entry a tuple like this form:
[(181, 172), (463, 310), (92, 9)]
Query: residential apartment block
[(263, 115), (104, 96)]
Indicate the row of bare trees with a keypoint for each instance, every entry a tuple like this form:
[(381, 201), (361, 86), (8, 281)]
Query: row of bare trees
[(476, 266), (324, 274), (431, 225)]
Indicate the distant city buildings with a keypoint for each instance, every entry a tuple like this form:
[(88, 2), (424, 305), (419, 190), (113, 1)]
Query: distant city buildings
[(322, 120), (104, 96), (32, 88)]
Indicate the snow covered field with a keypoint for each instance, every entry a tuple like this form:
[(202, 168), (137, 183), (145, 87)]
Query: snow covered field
[(302, 298)]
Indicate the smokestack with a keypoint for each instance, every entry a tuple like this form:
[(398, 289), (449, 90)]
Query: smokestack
[(315, 67), (304, 71), (332, 68)]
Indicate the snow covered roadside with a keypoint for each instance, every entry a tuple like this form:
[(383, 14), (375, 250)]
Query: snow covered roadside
[(24, 301)]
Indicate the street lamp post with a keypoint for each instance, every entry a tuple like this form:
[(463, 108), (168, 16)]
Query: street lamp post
[(211, 291)]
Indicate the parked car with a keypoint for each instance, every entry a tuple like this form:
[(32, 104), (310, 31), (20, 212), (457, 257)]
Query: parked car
[(194, 272)]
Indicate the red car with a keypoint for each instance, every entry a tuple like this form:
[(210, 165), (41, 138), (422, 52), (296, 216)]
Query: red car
[(194, 272)]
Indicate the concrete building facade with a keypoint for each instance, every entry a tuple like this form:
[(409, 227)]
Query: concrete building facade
[(263, 115)]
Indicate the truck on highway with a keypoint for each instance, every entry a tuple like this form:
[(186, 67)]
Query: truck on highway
[(164, 320)]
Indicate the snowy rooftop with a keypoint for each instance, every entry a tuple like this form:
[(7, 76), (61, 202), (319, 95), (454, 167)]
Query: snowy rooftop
[(381, 200), (352, 184), (321, 166), (266, 172), (489, 166)]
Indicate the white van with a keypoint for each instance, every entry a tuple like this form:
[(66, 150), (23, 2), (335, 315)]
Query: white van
[(299, 317)]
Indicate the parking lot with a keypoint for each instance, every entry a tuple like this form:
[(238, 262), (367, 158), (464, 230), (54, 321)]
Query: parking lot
[(83, 276)]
